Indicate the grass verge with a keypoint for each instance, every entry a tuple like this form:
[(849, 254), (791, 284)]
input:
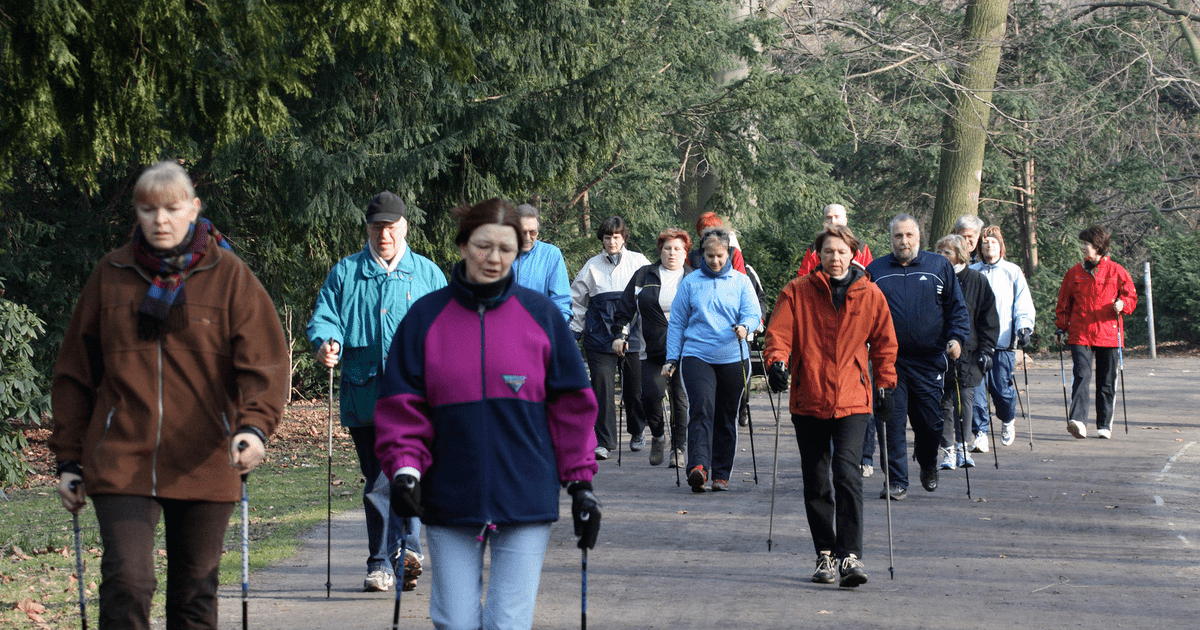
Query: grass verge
[(38, 587)]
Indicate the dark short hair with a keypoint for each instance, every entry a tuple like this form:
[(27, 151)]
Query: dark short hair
[(494, 211), (719, 233), (673, 233), (1098, 237), (612, 225), (836, 231)]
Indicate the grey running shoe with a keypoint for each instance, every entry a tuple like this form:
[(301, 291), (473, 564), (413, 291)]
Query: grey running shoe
[(601, 453), (657, 446), (677, 459), (851, 571), (378, 581), (825, 573), (898, 493), (1008, 432), (637, 442)]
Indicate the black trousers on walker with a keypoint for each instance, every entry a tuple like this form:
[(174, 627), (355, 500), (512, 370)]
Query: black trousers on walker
[(830, 456)]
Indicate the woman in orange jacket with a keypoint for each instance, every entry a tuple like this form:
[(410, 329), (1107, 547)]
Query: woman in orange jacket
[(825, 328), (1094, 296)]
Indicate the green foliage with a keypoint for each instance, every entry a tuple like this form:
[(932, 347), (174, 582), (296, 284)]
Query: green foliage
[(21, 397), (1175, 281)]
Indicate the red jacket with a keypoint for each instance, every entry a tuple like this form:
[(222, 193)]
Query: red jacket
[(812, 260), (1085, 303), (827, 349)]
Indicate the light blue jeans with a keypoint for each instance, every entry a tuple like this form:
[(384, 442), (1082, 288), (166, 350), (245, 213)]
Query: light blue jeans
[(456, 569), (383, 526), (999, 383)]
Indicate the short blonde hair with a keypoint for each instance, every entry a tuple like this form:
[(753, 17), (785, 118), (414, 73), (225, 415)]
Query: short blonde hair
[(167, 179), (956, 244)]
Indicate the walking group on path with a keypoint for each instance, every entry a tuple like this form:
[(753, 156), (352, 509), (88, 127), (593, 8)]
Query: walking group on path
[(470, 406)]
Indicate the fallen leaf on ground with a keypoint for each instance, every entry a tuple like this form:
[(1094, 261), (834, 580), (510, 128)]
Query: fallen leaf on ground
[(31, 609), (1112, 507), (682, 512)]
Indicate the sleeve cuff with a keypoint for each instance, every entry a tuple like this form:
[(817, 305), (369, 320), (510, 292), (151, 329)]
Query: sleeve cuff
[(249, 428), (408, 470)]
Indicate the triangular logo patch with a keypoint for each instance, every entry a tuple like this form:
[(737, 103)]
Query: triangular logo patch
[(514, 381)]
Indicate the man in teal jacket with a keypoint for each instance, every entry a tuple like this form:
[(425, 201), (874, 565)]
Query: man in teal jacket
[(364, 298)]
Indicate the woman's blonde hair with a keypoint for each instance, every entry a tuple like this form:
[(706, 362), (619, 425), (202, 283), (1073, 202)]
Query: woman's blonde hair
[(956, 244), (166, 179)]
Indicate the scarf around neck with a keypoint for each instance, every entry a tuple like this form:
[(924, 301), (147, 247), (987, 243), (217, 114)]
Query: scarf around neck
[(162, 309)]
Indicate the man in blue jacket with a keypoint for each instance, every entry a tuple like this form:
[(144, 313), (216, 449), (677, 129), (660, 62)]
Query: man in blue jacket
[(931, 322), (364, 298), (540, 266)]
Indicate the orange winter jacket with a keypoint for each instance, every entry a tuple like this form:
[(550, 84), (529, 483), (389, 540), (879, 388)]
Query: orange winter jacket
[(1085, 303), (156, 418), (827, 349)]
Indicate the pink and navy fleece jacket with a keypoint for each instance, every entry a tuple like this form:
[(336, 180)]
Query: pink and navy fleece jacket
[(490, 402)]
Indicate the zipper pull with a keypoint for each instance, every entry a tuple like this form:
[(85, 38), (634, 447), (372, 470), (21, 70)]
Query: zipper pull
[(488, 527)]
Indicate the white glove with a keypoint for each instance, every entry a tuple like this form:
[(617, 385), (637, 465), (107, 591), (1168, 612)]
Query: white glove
[(1119, 306), (618, 346), (248, 458), (73, 499)]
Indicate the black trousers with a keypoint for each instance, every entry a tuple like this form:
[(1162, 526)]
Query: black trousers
[(1106, 381), (195, 534), (714, 395), (654, 387), (830, 453), (603, 369)]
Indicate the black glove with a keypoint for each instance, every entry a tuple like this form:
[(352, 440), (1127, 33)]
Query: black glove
[(1024, 337), (406, 496), (985, 362), (1060, 337), (884, 403), (585, 509), (777, 377)]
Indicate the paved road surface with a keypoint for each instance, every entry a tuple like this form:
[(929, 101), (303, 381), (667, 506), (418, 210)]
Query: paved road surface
[(1072, 534)]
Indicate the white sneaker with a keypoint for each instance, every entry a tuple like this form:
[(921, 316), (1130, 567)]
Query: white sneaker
[(378, 581), (1076, 428), (981, 443), (1104, 434), (868, 470), (946, 458), (1008, 432)]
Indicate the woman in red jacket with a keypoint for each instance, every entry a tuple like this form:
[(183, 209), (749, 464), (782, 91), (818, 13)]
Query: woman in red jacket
[(825, 327), (1094, 296)]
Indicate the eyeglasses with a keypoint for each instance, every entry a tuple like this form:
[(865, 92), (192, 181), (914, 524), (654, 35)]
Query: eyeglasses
[(531, 233)]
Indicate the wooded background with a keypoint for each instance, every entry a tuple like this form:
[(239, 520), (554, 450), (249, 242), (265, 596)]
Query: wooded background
[(1043, 118)]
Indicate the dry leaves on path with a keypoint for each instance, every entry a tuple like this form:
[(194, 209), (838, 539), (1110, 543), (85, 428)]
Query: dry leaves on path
[(32, 609)]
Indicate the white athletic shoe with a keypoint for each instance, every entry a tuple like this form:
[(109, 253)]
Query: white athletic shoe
[(1076, 428), (946, 458), (1104, 434), (981, 443), (378, 581), (1008, 432)]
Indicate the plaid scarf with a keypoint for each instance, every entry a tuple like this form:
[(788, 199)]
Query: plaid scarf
[(163, 308)]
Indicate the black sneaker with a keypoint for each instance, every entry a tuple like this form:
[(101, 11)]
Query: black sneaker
[(898, 493), (851, 571), (825, 573), (929, 478)]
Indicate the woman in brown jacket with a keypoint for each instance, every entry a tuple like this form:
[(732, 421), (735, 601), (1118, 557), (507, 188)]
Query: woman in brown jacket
[(825, 327), (174, 358)]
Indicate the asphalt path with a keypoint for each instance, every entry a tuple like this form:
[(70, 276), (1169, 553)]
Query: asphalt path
[(1069, 534)]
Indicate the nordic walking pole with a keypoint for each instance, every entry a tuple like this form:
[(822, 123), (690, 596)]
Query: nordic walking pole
[(1029, 417), (398, 569), (775, 464), (1022, 403), (620, 402), (1062, 370), (79, 563), (962, 429), (245, 544), (991, 428), (329, 497), (1121, 367), (746, 399), (583, 583), (887, 484)]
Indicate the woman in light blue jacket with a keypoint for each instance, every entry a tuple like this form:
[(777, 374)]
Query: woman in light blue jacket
[(714, 309)]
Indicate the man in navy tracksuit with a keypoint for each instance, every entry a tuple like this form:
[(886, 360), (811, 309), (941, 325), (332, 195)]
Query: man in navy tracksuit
[(931, 322)]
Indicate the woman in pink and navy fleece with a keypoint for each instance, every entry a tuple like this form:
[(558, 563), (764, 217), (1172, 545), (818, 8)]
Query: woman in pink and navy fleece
[(483, 412)]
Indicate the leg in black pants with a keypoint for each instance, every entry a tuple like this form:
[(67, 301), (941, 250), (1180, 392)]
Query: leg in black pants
[(631, 394), (1106, 386), (833, 480), (603, 368)]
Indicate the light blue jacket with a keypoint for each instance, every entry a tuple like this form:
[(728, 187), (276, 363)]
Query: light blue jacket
[(360, 307), (707, 305), (1014, 302), (544, 270)]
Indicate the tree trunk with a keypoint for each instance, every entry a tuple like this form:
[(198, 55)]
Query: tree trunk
[(1028, 215), (964, 132)]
